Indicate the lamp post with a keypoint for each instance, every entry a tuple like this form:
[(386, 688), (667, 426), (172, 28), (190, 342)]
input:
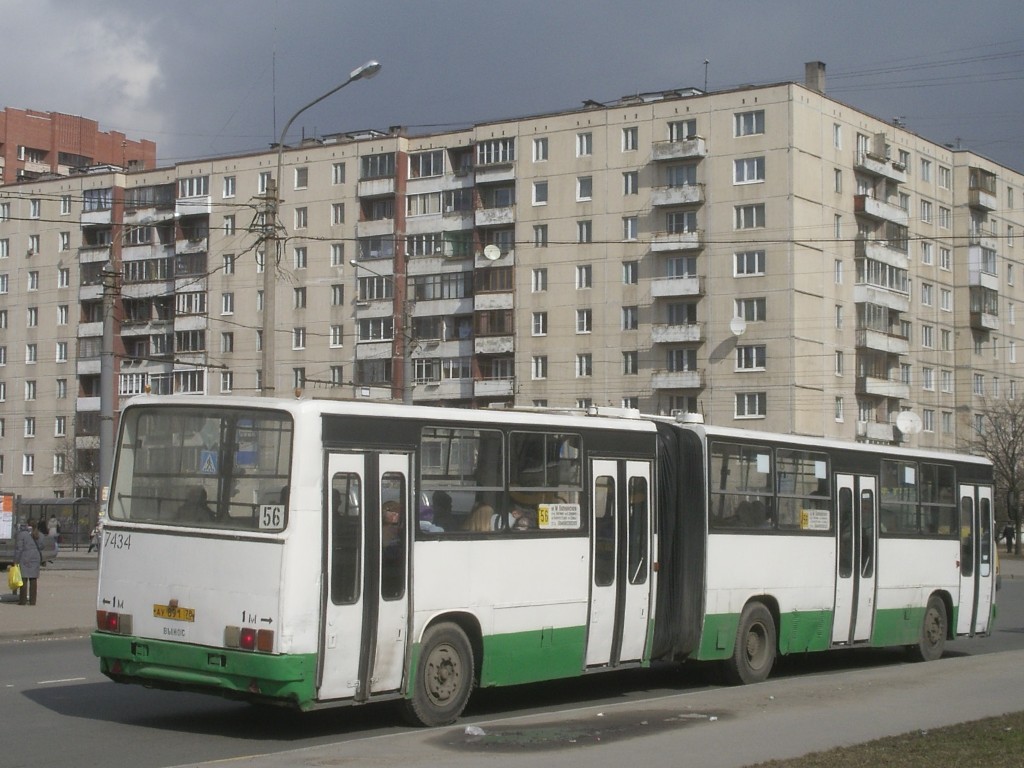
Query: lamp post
[(273, 239), (407, 372)]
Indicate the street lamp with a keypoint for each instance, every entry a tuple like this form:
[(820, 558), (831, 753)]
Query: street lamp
[(407, 341), (273, 241)]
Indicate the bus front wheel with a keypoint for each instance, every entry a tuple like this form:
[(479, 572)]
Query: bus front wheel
[(754, 654), (932, 641), (444, 677)]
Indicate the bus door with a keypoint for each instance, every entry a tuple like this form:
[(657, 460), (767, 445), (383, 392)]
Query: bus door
[(856, 558), (976, 567), (366, 603), (620, 530)]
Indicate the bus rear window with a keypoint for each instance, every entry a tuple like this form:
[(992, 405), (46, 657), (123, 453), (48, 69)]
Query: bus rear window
[(195, 466)]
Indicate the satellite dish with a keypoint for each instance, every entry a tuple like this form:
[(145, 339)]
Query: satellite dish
[(492, 252), (908, 422), (738, 326)]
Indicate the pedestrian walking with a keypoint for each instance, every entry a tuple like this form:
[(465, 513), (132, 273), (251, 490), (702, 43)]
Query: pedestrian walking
[(28, 555), (94, 538), (1009, 534)]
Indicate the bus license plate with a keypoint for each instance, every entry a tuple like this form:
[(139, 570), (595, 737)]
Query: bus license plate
[(174, 613)]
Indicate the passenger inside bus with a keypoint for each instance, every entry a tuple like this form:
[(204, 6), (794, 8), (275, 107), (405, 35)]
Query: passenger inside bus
[(481, 519), (196, 509)]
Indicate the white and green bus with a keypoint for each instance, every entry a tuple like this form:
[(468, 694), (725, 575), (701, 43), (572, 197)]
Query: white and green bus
[(318, 553)]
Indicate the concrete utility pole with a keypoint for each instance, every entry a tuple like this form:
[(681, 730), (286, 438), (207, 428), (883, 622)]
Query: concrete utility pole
[(406, 337), (273, 241), (111, 289)]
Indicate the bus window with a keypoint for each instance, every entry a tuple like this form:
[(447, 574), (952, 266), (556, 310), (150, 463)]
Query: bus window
[(545, 481), (966, 536), (742, 486), (170, 458), (867, 533), (803, 483), (845, 527), (392, 535), (985, 531), (460, 470), (604, 531), (938, 499), (637, 533), (346, 538), (899, 497)]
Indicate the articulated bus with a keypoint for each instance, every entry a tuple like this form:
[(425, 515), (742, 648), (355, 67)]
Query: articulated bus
[(315, 553)]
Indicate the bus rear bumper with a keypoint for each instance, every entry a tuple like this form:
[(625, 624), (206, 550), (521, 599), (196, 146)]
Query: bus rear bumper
[(281, 679)]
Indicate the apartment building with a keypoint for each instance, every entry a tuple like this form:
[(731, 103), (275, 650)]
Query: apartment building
[(766, 256), (34, 144)]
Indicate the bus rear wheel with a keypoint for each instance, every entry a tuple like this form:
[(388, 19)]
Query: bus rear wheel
[(754, 653), (932, 641), (444, 677)]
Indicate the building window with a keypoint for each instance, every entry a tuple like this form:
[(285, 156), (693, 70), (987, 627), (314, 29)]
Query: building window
[(540, 324), (630, 363), (584, 231), (227, 303), (631, 182), (299, 298), (540, 193), (926, 211), (228, 188), (926, 170), (227, 381), (584, 364), (301, 218), (337, 213), (298, 338), (584, 321), (681, 130), (584, 144), (227, 341), (337, 254), (630, 318), (748, 170), (838, 408), (539, 367), (539, 280), (750, 216), (584, 188), (62, 352), (751, 405), (945, 299), (946, 380), (840, 360), (28, 464), (928, 378), (927, 336), (629, 228), (338, 174), (630, 273), (926, 294), (337, 336), (540, 236), (751, 310), (979, 384), (584, 276), (749, 123), (337, 295), (540, 149), (630, 139), (747, 263), (751, 357)]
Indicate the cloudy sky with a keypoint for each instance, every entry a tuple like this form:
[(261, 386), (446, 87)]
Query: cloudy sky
[(213, 77)]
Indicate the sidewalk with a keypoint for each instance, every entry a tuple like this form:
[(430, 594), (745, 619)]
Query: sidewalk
[(65, 606)]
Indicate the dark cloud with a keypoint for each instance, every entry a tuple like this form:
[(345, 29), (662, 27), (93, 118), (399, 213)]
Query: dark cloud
[(205, 78)]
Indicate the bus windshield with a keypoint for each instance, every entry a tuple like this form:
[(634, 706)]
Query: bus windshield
[(202, 466)]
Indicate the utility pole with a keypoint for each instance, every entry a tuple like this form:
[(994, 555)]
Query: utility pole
[(111, 290), (271, 248)]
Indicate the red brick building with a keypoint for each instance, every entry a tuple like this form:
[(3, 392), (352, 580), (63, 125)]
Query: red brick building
[(35, 143)]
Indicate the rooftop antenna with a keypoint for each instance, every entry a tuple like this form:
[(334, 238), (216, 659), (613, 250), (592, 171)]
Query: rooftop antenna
[(706, 62)]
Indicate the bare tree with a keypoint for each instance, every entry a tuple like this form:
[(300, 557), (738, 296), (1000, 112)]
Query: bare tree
[(80, 472), (1001, 439)]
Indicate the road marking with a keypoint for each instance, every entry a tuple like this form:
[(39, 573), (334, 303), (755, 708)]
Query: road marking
[(64, 680)]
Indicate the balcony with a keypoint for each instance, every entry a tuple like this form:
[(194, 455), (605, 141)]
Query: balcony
[(664, 333), (871, 385), (502, 216), (676, 286), (882, 342), (683, 194), (677, 379), (877, 165), (375, 228), (193, 206), (886, 297), (376, 187), (676, 241), (494, 388), (873, 208), (448, 389), (494, 345), (876, 431), (694, 147), (488, 301), (984, 321), (883, 251), (982, 199)]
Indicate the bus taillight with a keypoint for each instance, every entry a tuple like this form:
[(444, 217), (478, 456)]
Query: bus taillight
[(249, 639), (110, 621)]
